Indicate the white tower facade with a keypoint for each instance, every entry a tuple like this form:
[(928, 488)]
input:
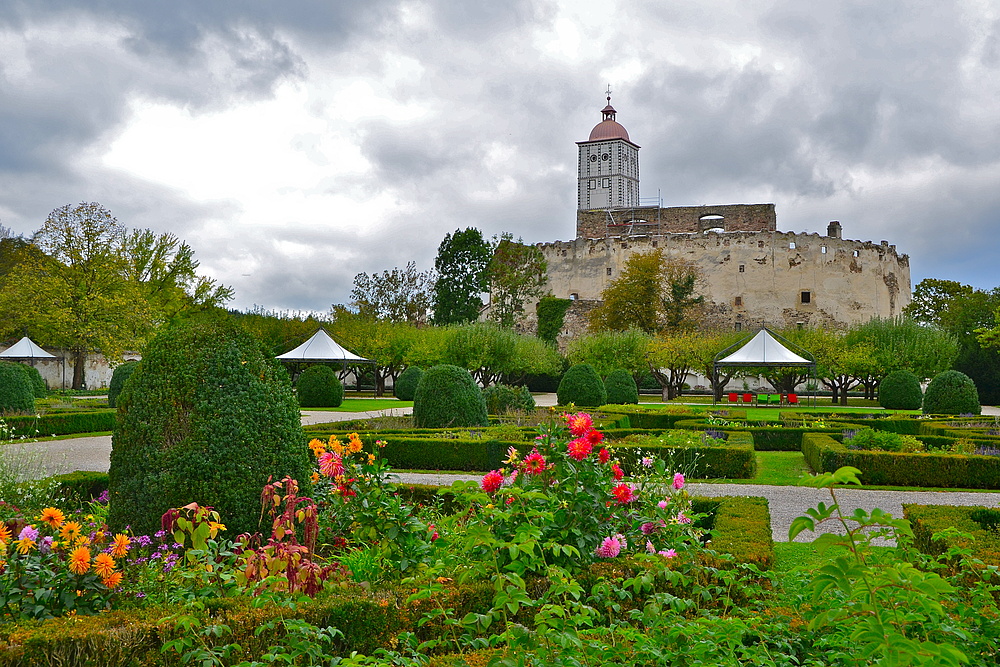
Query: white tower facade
[(608, 170)]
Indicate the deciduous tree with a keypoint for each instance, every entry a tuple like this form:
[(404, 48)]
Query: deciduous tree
[(461, 266), (399, 295), (516, 274)]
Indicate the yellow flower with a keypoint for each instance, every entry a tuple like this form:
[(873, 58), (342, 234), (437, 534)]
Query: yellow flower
[(52, 516), (511, 455), (355, 444), (214, 527), (334, 445), (104, 565), (371, 459), (316, 445), (24, 545), (120, 545), (70, 531), (79, 560), (314, 477)]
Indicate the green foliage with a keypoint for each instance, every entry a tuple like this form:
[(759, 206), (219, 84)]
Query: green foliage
[(122, 373), (16, 394), (900, 390), (607, 351), (872, 440), (38, 386), (206, 418), (446, 397), (951, 393), (400, 295), (582, 386), (63, 423), (516, 273), (551, 313), (502, 398), (319, 387), (461, 264), (621, 387), (946, 470), (405, 386), (696, 454)]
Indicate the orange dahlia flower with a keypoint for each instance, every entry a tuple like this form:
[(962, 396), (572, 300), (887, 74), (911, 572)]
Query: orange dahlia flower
[(79, 560), (52, 516), (104, 565)]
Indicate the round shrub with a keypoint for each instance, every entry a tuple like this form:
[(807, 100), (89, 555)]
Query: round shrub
[(501, 398), (446, 397), (122, 373), (900, 390), (951, 393), (16, 393), (405, 385), (621, 387), (205, 418), (319, 387), (38, 387), (582, 386)]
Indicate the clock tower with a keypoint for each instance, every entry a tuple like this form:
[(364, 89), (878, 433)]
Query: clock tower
[(608, 170)]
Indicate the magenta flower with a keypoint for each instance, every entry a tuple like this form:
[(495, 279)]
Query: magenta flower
[(669, 553), (662, 504), (492, 481), (647, 462), (579, 449), (611, 547), (678, 481), (683, 518), (29, 532)]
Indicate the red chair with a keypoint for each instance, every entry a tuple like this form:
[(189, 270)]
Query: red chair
[(793, 399), (733, 398), (748, 398)]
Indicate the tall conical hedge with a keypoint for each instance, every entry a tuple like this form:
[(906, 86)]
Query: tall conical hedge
[(205, 418), (16, 394), (582, 386)]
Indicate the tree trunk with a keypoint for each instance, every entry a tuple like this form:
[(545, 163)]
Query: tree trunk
[(79, 368)]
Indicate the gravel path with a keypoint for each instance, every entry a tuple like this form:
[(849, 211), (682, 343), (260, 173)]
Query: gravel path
[(786, 502)]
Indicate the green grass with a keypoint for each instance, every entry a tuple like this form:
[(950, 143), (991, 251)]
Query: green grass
[(367, 405)]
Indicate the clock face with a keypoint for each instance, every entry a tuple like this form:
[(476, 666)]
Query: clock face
[(605, 157), (593, 158)]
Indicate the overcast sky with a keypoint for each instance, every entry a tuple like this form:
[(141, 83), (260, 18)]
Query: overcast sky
[(296, 144)]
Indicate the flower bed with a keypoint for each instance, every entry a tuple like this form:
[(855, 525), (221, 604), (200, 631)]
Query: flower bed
[(969, 471)]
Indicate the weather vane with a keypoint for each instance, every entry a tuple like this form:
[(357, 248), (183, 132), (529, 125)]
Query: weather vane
[(609, 92)]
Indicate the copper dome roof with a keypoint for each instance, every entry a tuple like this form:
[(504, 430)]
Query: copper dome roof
[(608, 128)]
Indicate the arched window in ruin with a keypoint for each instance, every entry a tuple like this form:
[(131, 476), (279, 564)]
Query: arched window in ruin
[(712, 223)]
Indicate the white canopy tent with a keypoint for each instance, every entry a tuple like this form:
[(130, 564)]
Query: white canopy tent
[(321, 348), (25, 349), (764, 349)]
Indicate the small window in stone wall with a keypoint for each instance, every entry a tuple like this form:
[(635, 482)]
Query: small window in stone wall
[(738, 326), (609, 270), (822, 249), (857, 253), (654, 243), (743, 268), (574, 296), (593, 184), (806, 296), (791, 246), (738, 301)]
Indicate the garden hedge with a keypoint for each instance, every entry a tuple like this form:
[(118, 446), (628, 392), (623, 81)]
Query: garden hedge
[(405, 386), (582, 386), (38, 387), (206, 418), (929, 519), (900, 390), (664, 418), (16, 393), (951, 393), (319, 387), (825, 454), (64, 423), (448, 397), (118, 379), (621, 388), (729, 459)]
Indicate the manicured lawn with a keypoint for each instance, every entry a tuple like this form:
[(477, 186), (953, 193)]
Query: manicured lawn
[(367, 405)]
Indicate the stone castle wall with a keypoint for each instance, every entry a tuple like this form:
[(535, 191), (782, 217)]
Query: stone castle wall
[(655, 220), (782, 279)]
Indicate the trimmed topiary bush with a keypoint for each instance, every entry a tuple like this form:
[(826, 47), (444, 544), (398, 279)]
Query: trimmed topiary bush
[(582, 386), (319, 387), (16, 393), (38, 387), (405, 386), (502, 398), (621, 387), (122, 373), (448, 397), (206, 418), (900, 390), (951, 393)]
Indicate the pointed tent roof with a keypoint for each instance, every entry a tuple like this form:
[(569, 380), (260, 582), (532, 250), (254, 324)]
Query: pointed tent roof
[(322, 348), (26, 349), (764, 350)]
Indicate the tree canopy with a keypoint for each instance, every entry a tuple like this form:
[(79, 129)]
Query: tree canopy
[(461, 265), (399, 295), (652, 294), (516, 274)]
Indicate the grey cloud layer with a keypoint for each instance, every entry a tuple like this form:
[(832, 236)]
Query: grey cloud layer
[(882, 115)]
